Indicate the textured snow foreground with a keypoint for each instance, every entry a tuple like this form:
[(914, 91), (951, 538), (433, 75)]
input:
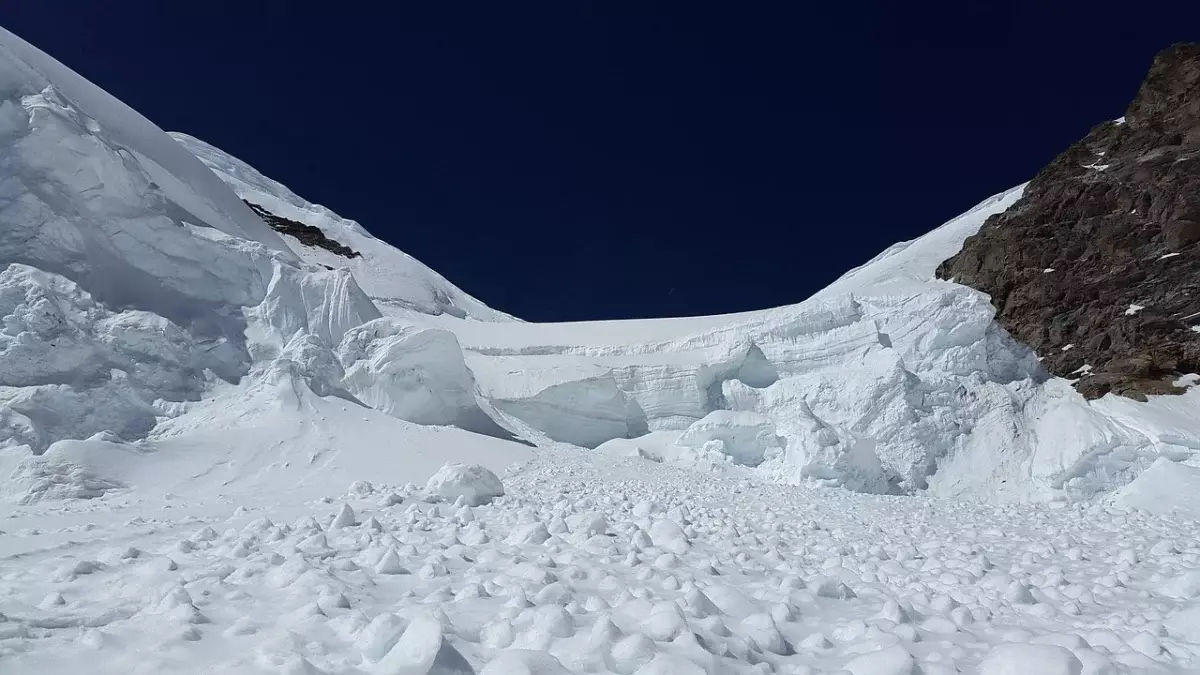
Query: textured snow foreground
[(596, 565), (185, 395)]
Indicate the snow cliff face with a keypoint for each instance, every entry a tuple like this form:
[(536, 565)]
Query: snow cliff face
[(147, 308)]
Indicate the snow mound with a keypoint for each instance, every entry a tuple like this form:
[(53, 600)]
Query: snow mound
[(416, 374), (475, 483), (67, 470)]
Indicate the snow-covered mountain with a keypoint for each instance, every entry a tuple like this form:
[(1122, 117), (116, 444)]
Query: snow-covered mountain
[(172, 298), (183, 337)]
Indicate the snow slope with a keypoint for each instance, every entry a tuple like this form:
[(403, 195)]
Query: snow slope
[(394, 280)]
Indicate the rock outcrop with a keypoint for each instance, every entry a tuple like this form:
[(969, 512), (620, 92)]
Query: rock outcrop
[(306, 234), (1097, 266)]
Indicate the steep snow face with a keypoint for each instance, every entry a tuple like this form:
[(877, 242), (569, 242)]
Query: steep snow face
[(395, 281), (133, 282), (95, 192)]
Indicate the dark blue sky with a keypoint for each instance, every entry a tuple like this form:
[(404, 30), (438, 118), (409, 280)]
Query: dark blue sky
[(577, 160)]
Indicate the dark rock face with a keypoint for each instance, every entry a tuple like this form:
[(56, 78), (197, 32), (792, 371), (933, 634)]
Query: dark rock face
[(1097, 266), (306, 234)]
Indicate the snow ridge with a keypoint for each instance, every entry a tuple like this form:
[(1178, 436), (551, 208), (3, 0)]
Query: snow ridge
[(395, 281)]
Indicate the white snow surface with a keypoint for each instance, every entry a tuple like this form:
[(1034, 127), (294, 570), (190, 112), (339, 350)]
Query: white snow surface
[(210, 447)]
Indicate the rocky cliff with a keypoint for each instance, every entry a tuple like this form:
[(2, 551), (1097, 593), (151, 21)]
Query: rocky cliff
[(1097, 267)]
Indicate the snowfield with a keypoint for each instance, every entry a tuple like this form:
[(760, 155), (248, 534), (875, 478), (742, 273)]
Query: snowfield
[(622, 566), (224, 450)]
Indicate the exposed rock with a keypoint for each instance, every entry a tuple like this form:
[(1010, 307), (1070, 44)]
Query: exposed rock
[(1097, 267), (306, 234)]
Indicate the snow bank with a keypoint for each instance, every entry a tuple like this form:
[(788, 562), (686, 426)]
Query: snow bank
[(68, 470)]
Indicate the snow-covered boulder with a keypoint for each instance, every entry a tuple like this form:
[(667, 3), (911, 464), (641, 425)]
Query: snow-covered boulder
[(472, 481), (748, 437)]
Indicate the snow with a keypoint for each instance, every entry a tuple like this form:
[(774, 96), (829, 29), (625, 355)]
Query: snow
[(211, 447), (1166, 487), (395, 281), (1016, 659), (747, 437), (416, 374), (266, 580), (473, 483)]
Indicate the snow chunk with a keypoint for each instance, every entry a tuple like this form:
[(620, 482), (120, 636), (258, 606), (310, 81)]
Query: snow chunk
[(1166, 487), (667, 535), (344, 518), (894, 660), (416, 374), (474, 482), (1185, 624), (1030, 659), (1183, 586), (748, 437), (421, 651)]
